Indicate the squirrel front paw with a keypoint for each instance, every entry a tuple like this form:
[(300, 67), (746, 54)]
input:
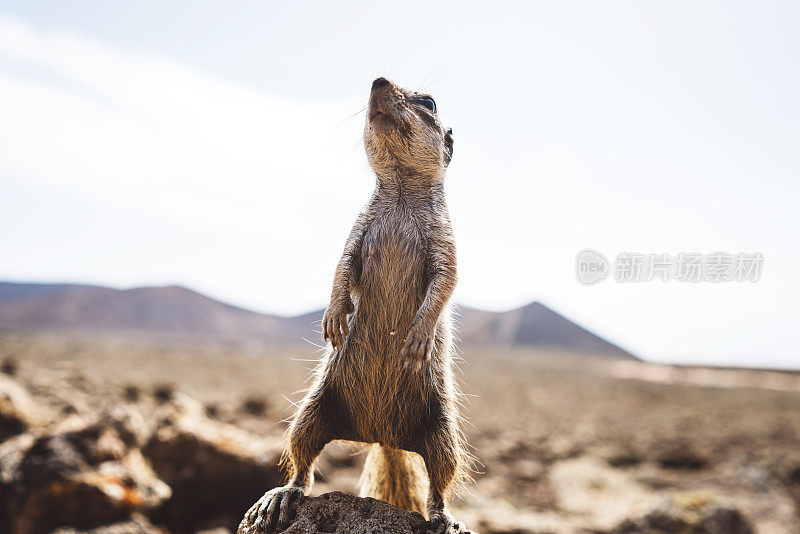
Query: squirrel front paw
[(417, 349), (334, 321)]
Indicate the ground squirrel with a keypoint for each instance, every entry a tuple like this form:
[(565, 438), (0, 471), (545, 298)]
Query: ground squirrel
[(388, 380)]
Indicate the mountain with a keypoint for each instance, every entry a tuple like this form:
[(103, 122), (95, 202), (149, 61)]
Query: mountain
[(532, 325), (175, 311), (171, 310)]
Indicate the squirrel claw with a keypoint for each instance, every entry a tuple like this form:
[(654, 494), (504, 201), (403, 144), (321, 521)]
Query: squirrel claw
[(417, 350), (334, 322), (412, 365), (273, 509), (444, 523)]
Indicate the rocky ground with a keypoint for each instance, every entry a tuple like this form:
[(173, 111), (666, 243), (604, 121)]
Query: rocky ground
[(117, 436)]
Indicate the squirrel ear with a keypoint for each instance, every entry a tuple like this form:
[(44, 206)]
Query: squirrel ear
[(448, 146)]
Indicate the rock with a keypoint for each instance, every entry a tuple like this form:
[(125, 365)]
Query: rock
[(724, 520), (215, 470), (85, 473), (339, 512), (703, 517), (17, 410), (137, 524), (681, 455), (664, 518), (622, 455)]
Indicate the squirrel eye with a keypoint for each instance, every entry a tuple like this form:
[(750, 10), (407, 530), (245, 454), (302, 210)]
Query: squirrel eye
[(428, 103)]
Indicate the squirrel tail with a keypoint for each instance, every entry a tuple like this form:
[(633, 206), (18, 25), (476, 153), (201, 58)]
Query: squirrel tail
[(397, 477)]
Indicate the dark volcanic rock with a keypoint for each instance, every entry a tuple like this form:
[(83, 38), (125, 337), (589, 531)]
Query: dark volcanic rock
[(84, 474), (668, 518), (682, 455), (724, 520), (137, 524), (215, 470), (339, 512)]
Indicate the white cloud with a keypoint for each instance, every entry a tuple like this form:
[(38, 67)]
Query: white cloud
[(154, 140), (148, 133)]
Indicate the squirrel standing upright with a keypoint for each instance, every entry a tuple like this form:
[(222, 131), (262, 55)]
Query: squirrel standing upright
[(388, 380)]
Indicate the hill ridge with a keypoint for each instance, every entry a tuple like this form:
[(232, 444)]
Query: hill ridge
[(175, 310)]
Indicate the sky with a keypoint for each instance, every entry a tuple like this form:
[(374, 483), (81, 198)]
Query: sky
[(218, 146)]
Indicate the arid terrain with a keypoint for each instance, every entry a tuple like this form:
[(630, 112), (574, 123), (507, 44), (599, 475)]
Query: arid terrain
[(564, 442)]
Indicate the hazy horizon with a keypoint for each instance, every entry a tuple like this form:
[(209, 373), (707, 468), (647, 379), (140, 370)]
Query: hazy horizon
[(220, 150)]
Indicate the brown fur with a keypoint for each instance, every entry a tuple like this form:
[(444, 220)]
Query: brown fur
[(387, 379), (395, 476)]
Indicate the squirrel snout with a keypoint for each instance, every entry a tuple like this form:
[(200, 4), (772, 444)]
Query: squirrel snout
[(380, 82)]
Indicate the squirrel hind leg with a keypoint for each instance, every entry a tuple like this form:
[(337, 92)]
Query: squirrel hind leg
[(311, 429), (443, 453)]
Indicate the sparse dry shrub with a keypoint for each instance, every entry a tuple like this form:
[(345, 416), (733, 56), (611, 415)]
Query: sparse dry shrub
[(132, 392), (164, 392), (10, 366), (623, 455), (682, 455), (255, 405), (212, 410)]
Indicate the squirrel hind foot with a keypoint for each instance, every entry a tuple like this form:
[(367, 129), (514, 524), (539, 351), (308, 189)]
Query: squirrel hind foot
[(274, 509), (444, 523)]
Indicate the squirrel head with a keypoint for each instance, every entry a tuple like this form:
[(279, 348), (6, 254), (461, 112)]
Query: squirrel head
[(403, 135)]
